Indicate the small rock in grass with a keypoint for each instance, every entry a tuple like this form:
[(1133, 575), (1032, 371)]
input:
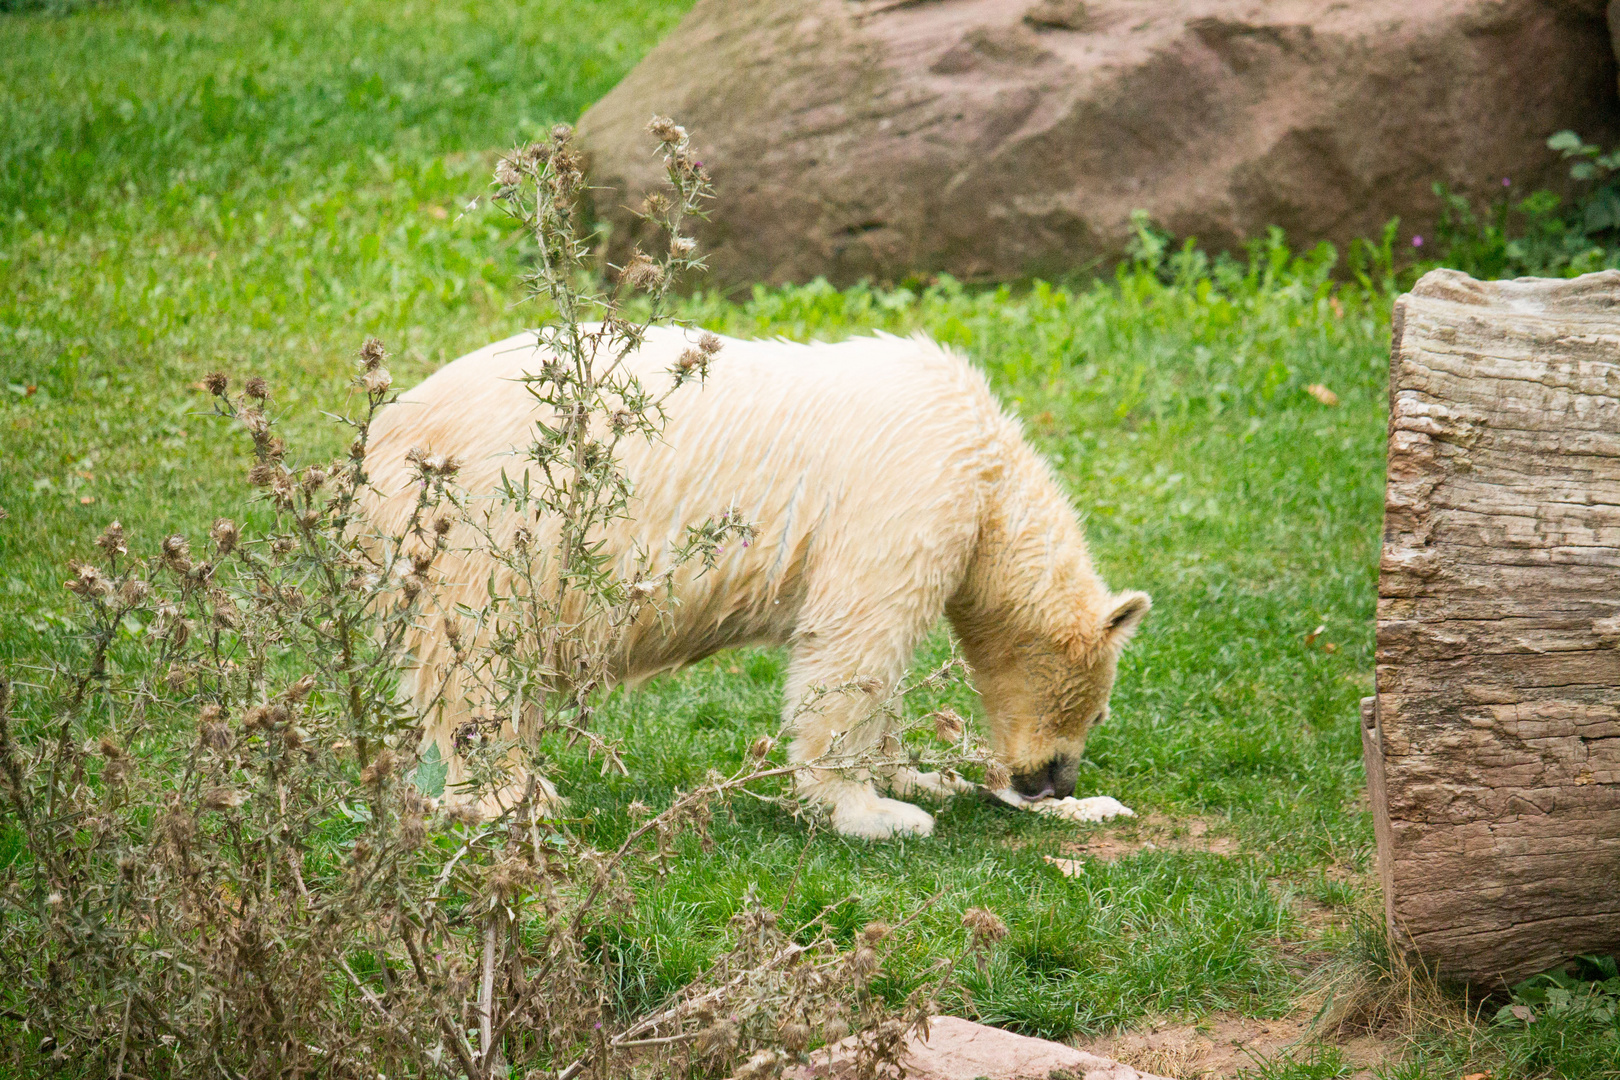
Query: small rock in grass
[(958, 1049)]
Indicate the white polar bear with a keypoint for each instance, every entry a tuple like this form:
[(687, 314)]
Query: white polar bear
[(888, 488)]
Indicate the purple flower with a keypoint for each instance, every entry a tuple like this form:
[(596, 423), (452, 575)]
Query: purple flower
[(1506, 182), (1417, 241)]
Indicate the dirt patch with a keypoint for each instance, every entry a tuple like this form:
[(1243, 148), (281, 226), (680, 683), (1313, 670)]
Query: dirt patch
[(1222, 1046), (1155, 832)]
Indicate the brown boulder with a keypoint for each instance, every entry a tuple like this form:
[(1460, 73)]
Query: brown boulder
[(959, 1049), (1000, 138)]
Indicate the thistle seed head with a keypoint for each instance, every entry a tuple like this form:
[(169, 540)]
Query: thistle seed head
[(299, 690), (381, 766), (223, 798), (983, 924), (112, 540), (717, 1039), (641, 272), (225, 535), (372, 354), (506, 173), (666, 131), (87, 581), (794, 1036), (212, 729)]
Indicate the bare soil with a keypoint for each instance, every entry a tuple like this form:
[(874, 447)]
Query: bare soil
[(1153, 832), (1222, 1046)]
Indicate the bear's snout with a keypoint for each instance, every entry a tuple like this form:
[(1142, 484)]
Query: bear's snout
[(1056, 779)]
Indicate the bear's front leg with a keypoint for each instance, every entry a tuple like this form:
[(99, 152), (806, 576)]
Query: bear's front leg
[(846, 665), (834, 740), (856, 809), (847, 793)]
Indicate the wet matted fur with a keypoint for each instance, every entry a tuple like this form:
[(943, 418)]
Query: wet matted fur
[(888, 487)]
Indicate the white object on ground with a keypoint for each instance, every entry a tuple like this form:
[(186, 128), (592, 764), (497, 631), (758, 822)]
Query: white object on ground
[(1095, 808)]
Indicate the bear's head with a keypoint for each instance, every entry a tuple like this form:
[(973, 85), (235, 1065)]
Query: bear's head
[(1044, 692)]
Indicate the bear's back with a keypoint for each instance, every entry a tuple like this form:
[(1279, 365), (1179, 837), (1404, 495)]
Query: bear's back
[(875, 411)]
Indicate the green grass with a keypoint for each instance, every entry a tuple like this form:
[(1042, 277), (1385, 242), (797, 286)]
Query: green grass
[(257, 187), (1210, 477)]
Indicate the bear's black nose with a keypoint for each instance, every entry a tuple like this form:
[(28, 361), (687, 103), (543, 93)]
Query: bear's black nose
[(1055, 779)]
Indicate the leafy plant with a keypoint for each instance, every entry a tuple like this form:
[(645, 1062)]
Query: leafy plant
[(1599, 207), (224, 861), (1557, 994), (1539, 234)]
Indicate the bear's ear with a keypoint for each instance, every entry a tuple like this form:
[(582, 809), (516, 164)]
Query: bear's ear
[(1129, 610)]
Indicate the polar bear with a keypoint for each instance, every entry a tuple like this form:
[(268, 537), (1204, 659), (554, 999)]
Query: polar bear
[(888, 488)]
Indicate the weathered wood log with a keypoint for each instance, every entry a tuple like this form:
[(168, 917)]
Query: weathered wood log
[(1493, 742)]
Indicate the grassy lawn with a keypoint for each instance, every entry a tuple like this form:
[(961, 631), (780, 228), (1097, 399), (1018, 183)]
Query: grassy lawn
[(257, 187)]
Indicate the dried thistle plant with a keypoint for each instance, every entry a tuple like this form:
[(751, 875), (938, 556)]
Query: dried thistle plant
[(228, 862)]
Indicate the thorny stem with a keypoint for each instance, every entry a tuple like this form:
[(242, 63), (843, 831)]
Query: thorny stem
[(674, 1012), (486, 991)]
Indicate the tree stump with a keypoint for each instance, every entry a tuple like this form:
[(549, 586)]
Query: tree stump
[(1493, 742)]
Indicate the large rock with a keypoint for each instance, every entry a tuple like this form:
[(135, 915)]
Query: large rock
[(959, 1049), (997, 138)]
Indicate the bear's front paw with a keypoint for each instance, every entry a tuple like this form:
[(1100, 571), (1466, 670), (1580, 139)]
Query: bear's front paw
[(933, 785), (874, 818)]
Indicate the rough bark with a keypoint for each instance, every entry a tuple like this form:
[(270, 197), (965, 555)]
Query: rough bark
[(1493, 745)]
